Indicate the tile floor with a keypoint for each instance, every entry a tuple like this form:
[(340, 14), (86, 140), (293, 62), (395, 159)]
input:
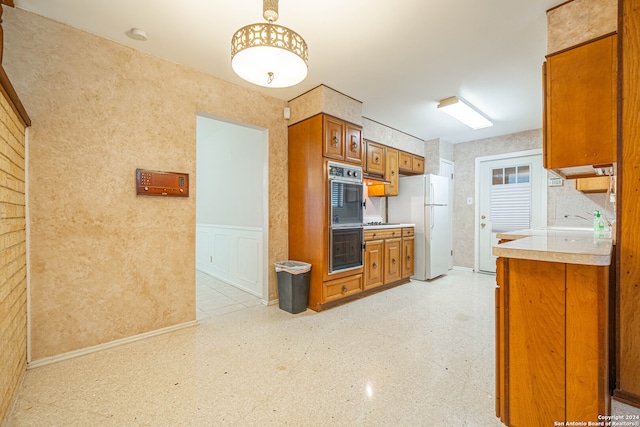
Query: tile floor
[(417, 355), (215, 297)]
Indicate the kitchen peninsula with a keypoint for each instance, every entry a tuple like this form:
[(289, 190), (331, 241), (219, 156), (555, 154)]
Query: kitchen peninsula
[(552, 326)]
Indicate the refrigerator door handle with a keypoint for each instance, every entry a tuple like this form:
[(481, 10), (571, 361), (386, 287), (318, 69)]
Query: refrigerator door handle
[(431, 220), (431, 192)]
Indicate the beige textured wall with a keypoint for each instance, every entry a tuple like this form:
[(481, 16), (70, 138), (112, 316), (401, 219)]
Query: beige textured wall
[(436, 149), (563, 200), (464, 185), (323, 99), (391, 137), (13, 258), (106, 264), (579, 21)]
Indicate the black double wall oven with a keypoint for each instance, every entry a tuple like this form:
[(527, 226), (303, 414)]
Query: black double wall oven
[(346, 209)]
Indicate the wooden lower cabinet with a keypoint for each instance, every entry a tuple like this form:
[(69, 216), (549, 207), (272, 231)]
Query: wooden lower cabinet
[(373, 262), (392, 260), (407, 256), (551, 342), (340, 288), (388, 256)]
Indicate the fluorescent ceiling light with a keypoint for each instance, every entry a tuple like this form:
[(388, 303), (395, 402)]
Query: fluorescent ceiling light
[(456, 108)]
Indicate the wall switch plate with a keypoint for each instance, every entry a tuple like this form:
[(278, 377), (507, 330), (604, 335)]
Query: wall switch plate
[(555, 182)]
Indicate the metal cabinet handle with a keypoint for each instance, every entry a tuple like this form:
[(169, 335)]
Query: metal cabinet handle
[(375, 265), (393, 173), (344, 289), (376, 158), (393, 261), (408, 257), (335, 140), (354, 143)]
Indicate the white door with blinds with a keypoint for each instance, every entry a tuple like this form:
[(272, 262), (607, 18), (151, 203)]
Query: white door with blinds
[(512, 196)]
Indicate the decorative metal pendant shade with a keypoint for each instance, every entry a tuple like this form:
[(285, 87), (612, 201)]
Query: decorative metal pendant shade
[(267, 54)]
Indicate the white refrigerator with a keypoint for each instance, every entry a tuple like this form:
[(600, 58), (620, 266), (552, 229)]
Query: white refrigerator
[(423, 200)]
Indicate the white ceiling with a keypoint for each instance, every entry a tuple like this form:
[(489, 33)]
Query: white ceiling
[(398, 57)]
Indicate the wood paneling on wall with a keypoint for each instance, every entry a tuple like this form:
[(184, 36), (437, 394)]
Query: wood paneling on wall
[(13, 246), (628, 369)]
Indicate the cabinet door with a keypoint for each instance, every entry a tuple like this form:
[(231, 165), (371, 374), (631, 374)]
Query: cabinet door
[(353, 144), (407, 257), (333, 143), (581, 105), (500, 340), (392, 260), (406, 162), (375, 158), (418, 165), (373, 264), (391, 173)]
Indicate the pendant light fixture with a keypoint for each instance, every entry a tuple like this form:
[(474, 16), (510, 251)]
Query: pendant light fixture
[(267, 54)]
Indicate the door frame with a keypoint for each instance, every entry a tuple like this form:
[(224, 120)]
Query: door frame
[(476, 221), (451, 165), (264, 140)]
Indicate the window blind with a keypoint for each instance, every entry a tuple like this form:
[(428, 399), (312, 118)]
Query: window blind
[(510, 199)]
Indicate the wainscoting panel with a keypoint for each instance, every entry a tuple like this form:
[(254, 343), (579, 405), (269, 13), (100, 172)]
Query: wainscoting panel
[(231, 254)]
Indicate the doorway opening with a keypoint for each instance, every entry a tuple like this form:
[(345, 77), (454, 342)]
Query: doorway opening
[(512, 195), (232, 177)]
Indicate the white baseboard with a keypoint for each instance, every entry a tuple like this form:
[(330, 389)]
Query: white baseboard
[(93, 349), (458, 268)]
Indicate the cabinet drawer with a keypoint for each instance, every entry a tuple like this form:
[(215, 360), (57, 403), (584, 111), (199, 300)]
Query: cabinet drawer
[(340, 288), (408, 232), (382, 233)]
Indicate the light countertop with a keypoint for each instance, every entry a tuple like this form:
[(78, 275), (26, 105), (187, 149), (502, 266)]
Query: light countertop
[(557, 244), (374, 227)]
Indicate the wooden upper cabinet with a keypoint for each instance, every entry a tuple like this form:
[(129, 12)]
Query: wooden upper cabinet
[(342, 141), (333, 138), (410, 164), (353, 144), (406, 161), (375, 158), (580, 117), (391, 171), (418, 164)]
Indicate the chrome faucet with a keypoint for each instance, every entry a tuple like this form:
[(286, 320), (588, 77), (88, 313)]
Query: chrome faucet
[(587, 219), (578, 216)]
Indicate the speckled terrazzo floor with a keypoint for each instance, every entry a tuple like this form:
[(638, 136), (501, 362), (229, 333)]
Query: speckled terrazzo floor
[(416, 355)]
